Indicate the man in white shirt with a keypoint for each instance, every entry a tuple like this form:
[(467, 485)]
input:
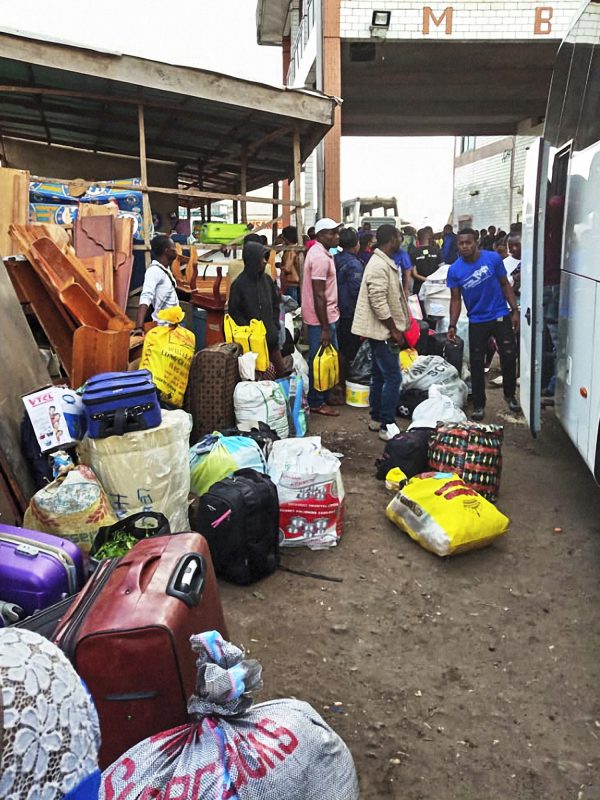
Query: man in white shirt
[(512, 262), (158, 291)]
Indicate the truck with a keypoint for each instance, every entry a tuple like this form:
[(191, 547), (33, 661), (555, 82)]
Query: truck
[(561, 244), (358, 210)]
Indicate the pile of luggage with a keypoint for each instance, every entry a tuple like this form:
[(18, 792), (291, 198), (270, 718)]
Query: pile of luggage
[(146, 504)]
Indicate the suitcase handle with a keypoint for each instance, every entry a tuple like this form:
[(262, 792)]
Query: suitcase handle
[(187, 581)]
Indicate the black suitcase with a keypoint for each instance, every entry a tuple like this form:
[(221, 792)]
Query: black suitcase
[(451, 351), (45, 622), (239, 518)]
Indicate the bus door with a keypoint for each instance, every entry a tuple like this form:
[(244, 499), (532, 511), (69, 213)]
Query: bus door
[(532, 282)]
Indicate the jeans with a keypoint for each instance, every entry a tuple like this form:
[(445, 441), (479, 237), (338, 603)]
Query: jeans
[(479, 334), (315, 398), (386, 379)]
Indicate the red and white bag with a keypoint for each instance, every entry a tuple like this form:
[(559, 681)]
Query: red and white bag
[(280, 750), (311, 492)]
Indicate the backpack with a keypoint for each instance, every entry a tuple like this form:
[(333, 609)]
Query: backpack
[(239, 518), (408, 450)]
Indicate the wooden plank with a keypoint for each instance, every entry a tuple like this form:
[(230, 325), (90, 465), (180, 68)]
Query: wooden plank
[(298, 182), (14, 205), (97, 351), (123, 260), (146, 212), (244, 184), (52, 316)]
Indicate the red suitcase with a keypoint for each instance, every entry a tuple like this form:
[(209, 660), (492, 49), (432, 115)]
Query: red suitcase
[(128, 635)]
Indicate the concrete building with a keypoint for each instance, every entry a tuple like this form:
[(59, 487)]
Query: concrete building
[(402, 67), (488, 177)]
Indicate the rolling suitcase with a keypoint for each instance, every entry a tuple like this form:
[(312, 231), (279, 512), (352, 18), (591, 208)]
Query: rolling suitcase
[(47, 621), (213, 376), (239, 518), (128, 636), (452, 352), (37, 569)]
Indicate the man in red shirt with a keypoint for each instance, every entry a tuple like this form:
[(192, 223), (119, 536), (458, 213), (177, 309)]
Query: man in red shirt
[(320, 309)]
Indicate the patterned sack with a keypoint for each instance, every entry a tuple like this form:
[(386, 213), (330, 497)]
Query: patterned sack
[(74, 506), (232, 749), (472, 451)]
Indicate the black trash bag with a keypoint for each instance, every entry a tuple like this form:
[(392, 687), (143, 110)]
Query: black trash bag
[(409, 399), (361, 366)]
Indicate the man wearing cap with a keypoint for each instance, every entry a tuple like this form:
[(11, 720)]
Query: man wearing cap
[(320, 309)]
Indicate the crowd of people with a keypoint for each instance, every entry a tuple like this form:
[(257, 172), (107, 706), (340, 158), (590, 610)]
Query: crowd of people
[(353, 285)]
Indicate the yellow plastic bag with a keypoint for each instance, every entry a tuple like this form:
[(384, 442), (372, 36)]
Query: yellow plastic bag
[(440, 512), (251, 338), (407, 356), (167, 353), (326, 368)]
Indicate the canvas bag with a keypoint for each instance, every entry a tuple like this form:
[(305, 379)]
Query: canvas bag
[(251, 338), (278, 750), (471, 450)]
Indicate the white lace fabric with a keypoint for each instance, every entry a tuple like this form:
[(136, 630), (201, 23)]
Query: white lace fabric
[(49, 731)]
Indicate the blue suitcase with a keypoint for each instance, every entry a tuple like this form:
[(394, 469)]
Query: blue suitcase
[(120, 402)]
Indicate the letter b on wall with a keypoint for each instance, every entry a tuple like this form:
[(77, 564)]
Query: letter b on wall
[(542, 25)]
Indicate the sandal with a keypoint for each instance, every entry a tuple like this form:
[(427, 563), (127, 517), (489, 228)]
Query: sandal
[(325, 411)]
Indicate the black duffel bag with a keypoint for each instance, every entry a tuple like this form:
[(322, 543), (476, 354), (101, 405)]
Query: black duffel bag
[(408, 451)]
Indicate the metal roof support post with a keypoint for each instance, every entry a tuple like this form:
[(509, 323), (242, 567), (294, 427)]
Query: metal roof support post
[(244, 183), (146, 212)]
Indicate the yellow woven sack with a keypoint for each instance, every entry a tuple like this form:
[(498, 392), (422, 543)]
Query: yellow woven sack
[(326, 369), (407, 356), (251, 338), (167, 353), (440, 512)]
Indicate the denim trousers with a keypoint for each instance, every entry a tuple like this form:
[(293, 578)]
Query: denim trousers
[(315, 398), (386, 379)]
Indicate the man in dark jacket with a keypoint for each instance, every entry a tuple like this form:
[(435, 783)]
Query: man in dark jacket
[(253, 296), (349, 269)]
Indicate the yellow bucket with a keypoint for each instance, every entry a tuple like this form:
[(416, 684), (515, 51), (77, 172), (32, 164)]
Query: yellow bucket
[(357, 395)]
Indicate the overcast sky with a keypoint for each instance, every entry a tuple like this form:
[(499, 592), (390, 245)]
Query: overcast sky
[(221, 35)]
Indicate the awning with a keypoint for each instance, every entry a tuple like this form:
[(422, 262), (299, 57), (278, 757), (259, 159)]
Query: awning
[(204, 122)]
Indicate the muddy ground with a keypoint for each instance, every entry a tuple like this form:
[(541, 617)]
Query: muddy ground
[(476, 677)]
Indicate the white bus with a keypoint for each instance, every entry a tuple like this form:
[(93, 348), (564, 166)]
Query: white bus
[(561, 243)]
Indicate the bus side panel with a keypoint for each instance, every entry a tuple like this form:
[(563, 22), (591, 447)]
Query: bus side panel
[(574, 390)]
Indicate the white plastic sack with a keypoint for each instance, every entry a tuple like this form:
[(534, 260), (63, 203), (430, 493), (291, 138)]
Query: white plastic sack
[(301, 369), (311, 492), (279, 750), (247, 366), (145, 470), (261, 401), (437, 408), (425, 371)]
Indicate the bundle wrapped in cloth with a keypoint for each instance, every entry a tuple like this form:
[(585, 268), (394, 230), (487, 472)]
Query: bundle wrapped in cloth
[(279, 750)]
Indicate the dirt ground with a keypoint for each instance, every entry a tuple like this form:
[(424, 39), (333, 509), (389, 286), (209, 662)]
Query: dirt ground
[(475, 677)]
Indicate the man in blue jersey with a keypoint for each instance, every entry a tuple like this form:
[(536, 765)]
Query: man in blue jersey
[(480, 277)]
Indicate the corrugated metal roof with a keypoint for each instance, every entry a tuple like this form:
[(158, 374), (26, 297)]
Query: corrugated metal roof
[(62, 94)]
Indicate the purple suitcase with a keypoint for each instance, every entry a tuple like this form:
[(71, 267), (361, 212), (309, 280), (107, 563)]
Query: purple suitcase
[(37, 569)]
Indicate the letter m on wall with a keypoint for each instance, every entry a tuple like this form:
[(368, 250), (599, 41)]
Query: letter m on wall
[(429, 17)]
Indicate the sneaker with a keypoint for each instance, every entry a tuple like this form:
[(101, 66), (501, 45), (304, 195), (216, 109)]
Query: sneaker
[(513, 404), (388, 432), (374, 425), (478, 414)]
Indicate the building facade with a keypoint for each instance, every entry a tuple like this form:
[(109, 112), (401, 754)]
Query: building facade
[(403, 67)]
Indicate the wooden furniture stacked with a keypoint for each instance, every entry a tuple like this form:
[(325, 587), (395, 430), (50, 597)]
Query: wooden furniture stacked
[(87, 328)]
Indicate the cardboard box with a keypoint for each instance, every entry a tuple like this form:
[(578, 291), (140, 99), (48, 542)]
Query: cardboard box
[(57, 416)]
